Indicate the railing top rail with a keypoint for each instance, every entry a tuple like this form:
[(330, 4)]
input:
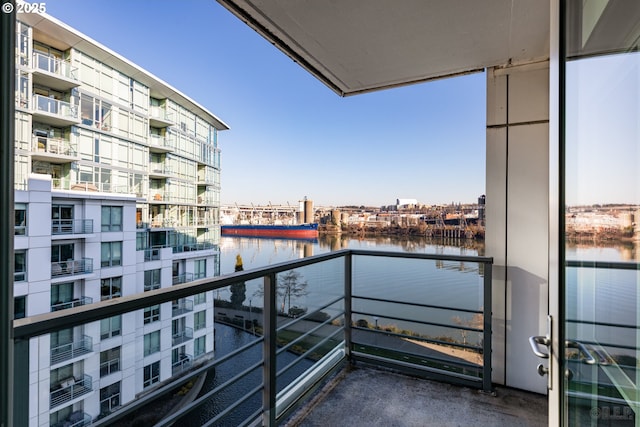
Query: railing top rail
[(604, 265), (50, 322)]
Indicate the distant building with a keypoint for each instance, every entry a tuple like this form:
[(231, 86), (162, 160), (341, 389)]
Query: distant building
[(406, 203)]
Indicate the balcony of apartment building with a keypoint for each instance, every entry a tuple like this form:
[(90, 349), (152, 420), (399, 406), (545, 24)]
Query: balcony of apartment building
[(70, 389), (160, 171), (75, 419), (71, 267), (182, 363), (159, 117), (53, 150), (53, 71), (75, 302), (181, 335), (55, 109), (159, 143), (73, 348), (64, 228), (182, 305)]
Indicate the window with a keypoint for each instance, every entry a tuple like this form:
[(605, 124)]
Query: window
[(151, 374), (199, 320), (151, 343), (111, 254), (62, 253), (151, 279), (200, 298), (20, 266), (110, 288), (109, 361), (199, 346), (112, 218), (110, 327), (61, 295), (109, 398), (20, 228), (152, 314), (19, 307), (200, 269)]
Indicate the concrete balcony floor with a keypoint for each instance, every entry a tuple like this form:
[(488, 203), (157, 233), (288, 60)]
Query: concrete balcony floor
[(366, 396)]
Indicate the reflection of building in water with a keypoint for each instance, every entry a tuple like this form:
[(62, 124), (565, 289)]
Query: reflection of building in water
[(610, 222)]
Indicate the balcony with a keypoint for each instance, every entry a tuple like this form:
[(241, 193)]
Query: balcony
[(191, 247), (160, 171), (182, 306), (54, 111), (70, 389), (71, 304), (71, 226), (52, 150), (159, 144), (159, 118), (151, 254), (183, 364), (76, 419), (55, 73), (71, 350), (423, 333), (72, 267), (180, 337), (182, 278)]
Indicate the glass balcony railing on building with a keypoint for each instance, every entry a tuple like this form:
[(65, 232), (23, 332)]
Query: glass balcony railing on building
[(71, 226), (72, 267)]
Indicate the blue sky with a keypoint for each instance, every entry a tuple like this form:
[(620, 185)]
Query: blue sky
[(290, 135)]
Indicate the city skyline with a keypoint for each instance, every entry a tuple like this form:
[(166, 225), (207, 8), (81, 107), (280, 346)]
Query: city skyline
[(290, 135)]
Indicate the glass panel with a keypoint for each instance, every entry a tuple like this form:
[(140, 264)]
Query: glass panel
[(602, 218)]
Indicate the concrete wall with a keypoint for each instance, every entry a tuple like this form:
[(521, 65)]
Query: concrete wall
[(517, 226)]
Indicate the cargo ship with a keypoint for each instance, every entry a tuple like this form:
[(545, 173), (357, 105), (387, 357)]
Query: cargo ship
[(265, 230)]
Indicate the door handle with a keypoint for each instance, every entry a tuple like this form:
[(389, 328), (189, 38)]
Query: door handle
[(582, 349), (535, 342)]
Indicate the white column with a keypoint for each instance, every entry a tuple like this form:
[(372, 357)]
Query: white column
[(517, 221)]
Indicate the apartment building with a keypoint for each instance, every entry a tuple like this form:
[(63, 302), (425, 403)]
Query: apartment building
[(116, 193)]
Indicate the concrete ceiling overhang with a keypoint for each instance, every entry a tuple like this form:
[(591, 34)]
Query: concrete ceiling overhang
[(356, 46)]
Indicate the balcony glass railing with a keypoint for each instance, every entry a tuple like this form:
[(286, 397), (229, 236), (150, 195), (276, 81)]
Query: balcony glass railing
[(58, 146), (152, 254), (71, 304), (428, 315), (69, 389), (54, 65), (182, 278), (71, 350), (183, 364), (182, 306), (185, 335), (71, 226), (56, 107), (72, 267), (76, 419)]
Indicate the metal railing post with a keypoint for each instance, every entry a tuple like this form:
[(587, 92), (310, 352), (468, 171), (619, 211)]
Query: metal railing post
[(7, 142), (348, 274), (269, 352), (486, 343)]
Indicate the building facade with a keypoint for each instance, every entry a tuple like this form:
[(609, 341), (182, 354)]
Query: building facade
[(117, 184)]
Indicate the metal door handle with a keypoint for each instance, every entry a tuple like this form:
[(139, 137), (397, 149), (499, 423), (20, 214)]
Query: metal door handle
[(589, 359), (535, 342)]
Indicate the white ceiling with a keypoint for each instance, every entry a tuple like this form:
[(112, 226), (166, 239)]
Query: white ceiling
[(356, 46)]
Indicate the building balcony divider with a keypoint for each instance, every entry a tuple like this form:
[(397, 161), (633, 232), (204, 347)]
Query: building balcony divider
[(71, 350), (438, 335), (54, 65), (57, 107), (57, 146), (182, 336), (183, 364), (71, 226), (77, 302), (182, 306), (72, 267), (70, 389)]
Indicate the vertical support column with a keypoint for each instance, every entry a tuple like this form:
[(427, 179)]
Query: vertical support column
[(7, 141), (269, 352), (486, 331), (348, 274)]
